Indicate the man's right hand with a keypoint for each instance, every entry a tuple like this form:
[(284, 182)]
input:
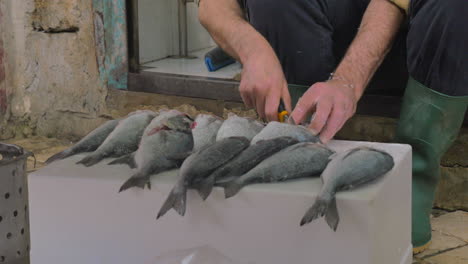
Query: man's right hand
[(263, 85)]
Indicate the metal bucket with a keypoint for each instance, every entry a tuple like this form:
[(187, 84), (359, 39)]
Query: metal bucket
[(14, 216)]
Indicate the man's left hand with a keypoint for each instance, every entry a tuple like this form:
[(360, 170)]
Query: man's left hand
[(332, 103)]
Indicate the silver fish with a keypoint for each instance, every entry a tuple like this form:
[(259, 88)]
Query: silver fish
[(123, 140), (346, 170), (236, 126), (89, 143), (276, 129), (173, 137), (156, 124), (199, 165), (204, 130), (300, 160), (245, 161)]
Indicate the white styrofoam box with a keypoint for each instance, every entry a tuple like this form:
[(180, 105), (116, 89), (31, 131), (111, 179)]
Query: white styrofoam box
[(77, 216)]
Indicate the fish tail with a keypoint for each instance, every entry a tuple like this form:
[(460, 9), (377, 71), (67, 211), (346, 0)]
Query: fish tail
[(176, 199), (231, 188), (205, 187), (323, 207), (90, 160), (61, 155), (136, 181), (127, 159), (332, 216)]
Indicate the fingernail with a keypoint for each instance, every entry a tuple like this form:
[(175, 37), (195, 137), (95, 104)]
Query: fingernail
[(313, 131)]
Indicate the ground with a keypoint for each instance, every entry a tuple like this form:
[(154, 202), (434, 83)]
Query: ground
[(450, 229)]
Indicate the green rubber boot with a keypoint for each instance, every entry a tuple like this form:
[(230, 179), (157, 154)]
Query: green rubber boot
[(429, 122)]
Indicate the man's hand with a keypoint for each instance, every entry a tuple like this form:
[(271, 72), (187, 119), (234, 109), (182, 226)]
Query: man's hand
[(332, 103), (263, 84)]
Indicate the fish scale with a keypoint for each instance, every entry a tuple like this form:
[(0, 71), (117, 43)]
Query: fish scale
[(276, 129), (300, 160), (236, 126), (199, 165), (205, 129), (88, 143), (153, 155), (347, 170), (245, 161), (123, 140)]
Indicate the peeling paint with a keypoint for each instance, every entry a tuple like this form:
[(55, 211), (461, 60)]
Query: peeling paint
[(110, 28)]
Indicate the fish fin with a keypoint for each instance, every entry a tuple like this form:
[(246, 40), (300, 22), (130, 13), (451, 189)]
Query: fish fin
[(205, 187), (90, 160), (331, 216), (232, 188), (179, 156), (332, 156), (222, 182), (136, 181), (352, 151), (317, 210), (61, 155), (127, 159), (176, 199)]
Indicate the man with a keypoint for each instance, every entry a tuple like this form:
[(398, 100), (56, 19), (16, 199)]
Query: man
[(335, 47)]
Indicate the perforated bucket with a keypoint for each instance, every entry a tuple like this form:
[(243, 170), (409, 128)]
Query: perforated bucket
[(14, 217)]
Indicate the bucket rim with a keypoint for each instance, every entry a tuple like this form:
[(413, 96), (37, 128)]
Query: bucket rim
[(24, 155), (16, 159)]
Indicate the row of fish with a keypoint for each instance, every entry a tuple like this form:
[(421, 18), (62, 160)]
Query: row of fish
[(230, 154)]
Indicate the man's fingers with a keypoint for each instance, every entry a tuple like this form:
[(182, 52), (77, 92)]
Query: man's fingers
[(272, 103), (324, 108), (304, 106), (260, 106), (337, 119), (246, 96), (246, 99), (271, 107), (286, 98)]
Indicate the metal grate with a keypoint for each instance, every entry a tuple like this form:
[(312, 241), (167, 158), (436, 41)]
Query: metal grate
[(14, 217)]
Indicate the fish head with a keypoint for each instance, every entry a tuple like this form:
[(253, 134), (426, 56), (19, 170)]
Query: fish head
[(206, 119), (179, 123)]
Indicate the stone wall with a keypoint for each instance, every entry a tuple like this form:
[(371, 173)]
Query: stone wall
[(52, 79)]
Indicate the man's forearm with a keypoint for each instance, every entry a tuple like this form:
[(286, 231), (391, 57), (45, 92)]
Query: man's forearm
[(224, 21), (374, 39)]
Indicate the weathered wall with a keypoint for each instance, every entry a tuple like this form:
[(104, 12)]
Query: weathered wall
[(52, 77)]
